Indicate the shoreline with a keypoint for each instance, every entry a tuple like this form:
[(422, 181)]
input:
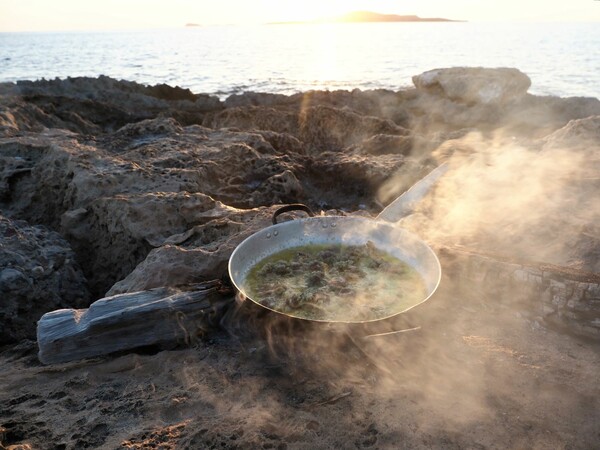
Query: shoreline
[(13, 86), (217, 73)]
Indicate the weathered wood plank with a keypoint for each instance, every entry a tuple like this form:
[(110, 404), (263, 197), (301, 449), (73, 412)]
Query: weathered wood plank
[(163, 316)]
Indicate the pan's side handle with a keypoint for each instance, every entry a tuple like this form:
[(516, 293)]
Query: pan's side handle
[(292, 207)]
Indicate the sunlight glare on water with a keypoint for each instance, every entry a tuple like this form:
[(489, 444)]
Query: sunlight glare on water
[(561, 59)]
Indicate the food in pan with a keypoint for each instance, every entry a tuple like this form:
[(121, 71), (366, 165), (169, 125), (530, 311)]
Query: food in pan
[(335, 282)]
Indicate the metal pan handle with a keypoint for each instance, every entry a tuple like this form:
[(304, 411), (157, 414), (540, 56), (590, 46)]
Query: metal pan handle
[(292, 207)]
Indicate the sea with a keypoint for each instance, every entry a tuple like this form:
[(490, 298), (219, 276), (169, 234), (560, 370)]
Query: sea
[(562, 59)]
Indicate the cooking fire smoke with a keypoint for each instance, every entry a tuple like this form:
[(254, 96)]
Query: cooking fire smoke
[(529, 202), (470, 357)]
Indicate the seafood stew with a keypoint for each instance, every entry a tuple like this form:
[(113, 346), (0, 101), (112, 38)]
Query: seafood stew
[(335, 282)]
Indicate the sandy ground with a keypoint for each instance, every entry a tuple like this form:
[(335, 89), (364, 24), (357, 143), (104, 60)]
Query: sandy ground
[(475, 375)]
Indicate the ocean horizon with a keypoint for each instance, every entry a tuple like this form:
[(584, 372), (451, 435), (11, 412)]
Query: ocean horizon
[(560, 58)]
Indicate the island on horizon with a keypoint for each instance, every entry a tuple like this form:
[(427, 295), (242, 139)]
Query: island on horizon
[(368, 16)]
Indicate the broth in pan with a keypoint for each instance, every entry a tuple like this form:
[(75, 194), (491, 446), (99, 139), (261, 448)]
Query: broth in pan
[(335, 282)]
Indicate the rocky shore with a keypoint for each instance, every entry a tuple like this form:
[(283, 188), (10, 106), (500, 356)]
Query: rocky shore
[(110, 187)]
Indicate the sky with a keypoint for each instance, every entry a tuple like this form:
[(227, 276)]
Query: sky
[(65, 15)]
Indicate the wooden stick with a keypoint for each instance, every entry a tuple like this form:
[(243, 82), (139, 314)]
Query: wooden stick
[(391, 332)]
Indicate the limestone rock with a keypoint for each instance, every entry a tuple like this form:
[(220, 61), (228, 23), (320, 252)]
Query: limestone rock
[(18, 115), (581, 134), (88, 105), (283, 142), (134, 188), (255, 99), (561, 296), (148, 128), (318, 127), (119, 196), (38, 273), (254, 118), (377, 102), (382, 144), (328, 128), (129, 94), (550, 113), (280, 188), (201, 254), (12, 167), (132, 225), (155, 187), (475, 84), (381, 103)]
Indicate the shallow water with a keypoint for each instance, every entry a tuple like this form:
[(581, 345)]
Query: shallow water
[(561, 59)]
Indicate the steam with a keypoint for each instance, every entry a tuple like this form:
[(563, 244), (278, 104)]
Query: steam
[(469, 358), (455, 368), (529, 202)]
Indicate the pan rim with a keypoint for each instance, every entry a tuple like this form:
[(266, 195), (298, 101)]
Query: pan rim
[(370, 221)]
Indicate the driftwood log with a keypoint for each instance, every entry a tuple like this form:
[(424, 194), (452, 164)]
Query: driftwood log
[(162, 316)]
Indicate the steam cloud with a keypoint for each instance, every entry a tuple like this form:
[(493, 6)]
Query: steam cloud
[(524, 199), (528, 200)]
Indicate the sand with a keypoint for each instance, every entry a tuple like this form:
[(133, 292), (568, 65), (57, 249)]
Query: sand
[(475, 375)]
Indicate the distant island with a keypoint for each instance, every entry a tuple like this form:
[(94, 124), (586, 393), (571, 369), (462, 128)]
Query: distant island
[(192, 25), (369, 16)]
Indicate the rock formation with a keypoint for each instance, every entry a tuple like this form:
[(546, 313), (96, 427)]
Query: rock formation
[(155, 186), (38, 273), (475, 85)]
